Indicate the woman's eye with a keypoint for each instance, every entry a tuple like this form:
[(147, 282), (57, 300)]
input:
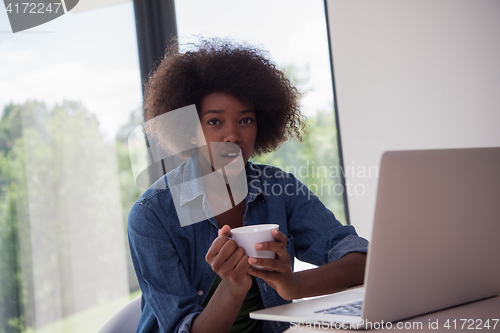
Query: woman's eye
[(247, 121), (213, 122)]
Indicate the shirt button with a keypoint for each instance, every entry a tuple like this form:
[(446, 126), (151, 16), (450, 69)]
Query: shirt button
[(200, 292)]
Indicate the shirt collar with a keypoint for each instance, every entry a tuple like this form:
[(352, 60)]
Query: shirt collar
[(253, 181), (194, 186), (192, 181)]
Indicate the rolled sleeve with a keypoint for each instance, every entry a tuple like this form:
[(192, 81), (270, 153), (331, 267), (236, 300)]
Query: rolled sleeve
[(351, 243), (186, 323)]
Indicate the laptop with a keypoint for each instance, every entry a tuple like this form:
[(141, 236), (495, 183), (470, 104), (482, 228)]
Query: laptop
[(435, 241)]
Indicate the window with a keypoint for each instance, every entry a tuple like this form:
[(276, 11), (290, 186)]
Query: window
[(70, 94)]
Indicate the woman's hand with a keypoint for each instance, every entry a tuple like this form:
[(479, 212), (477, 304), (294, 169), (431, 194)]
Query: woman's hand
[(276, 272), (230, 262)]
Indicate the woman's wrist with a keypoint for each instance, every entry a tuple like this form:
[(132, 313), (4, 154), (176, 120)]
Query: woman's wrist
[(234, 291), (221, 311), (298, 293)]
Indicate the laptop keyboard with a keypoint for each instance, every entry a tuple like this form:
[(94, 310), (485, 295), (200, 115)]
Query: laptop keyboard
[(351, 309)]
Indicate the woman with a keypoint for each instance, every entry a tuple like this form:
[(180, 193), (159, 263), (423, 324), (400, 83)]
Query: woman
[(195, 278)]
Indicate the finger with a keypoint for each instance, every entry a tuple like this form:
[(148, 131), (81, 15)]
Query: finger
[(279, 236), (270, 246), (242, 265), (267, 276), (225, 230), (228, 249), (215, 248), (270, 264), (220, 262), (235, 258)]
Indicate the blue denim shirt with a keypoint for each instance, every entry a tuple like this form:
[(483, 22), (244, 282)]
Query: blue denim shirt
[(169, 260)]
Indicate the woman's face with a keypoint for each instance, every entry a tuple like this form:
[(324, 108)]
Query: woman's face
[(224, 118)]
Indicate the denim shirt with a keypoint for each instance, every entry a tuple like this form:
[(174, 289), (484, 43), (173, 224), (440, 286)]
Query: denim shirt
[(169, 260)]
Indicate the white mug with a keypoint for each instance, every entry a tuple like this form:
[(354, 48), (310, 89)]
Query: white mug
[(247, 237)]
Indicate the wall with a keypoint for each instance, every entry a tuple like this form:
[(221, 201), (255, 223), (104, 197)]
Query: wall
[(413, 74)]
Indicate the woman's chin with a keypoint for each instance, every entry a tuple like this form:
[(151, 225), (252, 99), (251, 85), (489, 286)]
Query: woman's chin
[(232, 167)]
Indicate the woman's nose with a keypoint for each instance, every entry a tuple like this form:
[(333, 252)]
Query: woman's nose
[(232, 133)]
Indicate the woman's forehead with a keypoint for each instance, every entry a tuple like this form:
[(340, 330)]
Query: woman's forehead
[(220, 102)]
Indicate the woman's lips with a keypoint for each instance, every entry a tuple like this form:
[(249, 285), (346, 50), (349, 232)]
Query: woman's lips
[(230, 154)]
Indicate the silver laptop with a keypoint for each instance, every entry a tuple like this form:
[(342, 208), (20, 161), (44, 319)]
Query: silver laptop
[(435, 241)]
